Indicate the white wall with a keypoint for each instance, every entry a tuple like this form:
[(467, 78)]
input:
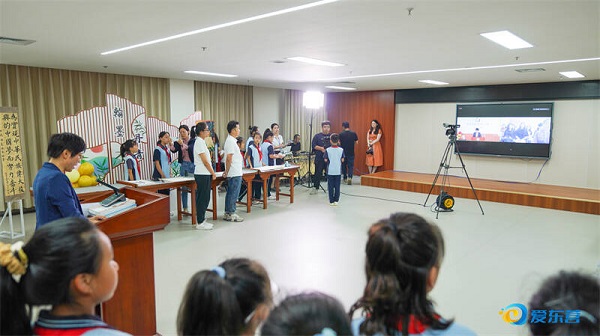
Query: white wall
[(182, 99), (575, 159), (268, 108)]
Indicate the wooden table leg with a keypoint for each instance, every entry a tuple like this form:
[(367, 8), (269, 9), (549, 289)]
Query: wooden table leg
[(291, 187), (277, 176), (213, 188), (249, 195), (265, 191)]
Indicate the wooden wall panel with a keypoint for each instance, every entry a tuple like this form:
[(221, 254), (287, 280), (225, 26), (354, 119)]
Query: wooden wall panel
[(359, 108)]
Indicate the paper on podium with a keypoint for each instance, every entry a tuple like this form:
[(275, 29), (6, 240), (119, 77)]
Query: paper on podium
[(114, 209)]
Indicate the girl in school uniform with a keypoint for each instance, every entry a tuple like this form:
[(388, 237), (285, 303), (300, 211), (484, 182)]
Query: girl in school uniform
[(131, 162)]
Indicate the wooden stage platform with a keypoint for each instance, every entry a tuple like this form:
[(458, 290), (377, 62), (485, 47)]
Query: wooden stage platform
[(528, 194)]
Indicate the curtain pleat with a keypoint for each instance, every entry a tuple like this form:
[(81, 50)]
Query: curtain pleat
[(43, 96), (223, 103)]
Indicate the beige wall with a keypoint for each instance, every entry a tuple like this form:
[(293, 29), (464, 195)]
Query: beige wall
[(575, 158)]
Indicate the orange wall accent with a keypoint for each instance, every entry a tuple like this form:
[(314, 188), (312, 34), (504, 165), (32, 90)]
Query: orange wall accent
[(359, 108)]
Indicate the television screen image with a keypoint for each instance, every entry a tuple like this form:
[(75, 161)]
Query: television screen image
[(518, 130)]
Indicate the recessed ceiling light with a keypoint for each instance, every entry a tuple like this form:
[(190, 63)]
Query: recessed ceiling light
[(572, 74), (341, 88), (314, 61), (507, 39), (209, 73), (223, 25), (434, 82), (460, 69)]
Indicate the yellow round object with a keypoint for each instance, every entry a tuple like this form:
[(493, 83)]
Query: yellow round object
[(75, 185), (73, 175), (86, 168), (86, 181)]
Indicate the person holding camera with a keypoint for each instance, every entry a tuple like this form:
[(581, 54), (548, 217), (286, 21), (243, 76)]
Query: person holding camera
[(374, 150)]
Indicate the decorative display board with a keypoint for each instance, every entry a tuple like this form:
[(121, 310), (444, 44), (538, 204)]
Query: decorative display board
[(11, 155), (105, 128)]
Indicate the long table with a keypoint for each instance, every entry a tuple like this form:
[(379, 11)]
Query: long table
[(168, 183), (277, 171)]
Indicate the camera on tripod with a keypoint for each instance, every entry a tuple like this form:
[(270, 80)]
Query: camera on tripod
[(450, 129)]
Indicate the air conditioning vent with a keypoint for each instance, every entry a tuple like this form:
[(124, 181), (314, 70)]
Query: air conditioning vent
[(16, 41), (531, 70)]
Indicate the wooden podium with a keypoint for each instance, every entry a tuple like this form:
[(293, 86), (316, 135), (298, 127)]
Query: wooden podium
[(132, 309)]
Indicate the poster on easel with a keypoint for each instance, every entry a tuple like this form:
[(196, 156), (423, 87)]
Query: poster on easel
[(11, 155)]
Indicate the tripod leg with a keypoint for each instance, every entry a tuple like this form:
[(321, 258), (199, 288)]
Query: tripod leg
[(437, 175), (469, 179)]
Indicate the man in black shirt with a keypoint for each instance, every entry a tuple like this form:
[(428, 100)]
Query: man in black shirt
[(348, 139), (319, 144)]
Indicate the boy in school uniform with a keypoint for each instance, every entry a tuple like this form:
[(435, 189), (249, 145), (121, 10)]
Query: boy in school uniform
[(334, 156)]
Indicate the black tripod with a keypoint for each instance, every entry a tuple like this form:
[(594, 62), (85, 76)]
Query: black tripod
[(445, 164)]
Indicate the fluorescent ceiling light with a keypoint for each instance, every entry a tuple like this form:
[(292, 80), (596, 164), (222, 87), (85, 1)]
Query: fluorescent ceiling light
[(571, 74), (314, 61), (434, 82), (209, 73), (337, 79), (223, 25), (507, 39), (340, 88)]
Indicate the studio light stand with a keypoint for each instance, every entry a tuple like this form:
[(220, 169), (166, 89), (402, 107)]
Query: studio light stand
[(444, 201), (312, 100)]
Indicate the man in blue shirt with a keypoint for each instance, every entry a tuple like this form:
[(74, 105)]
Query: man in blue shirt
[(53, 193)]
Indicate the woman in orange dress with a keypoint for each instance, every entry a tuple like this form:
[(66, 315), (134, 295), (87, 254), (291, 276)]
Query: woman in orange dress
[(374, 150)]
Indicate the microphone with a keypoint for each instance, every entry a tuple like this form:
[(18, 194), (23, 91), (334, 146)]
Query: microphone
[(112, 199), (115, 189)]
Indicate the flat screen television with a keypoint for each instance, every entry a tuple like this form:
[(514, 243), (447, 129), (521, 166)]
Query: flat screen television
[(511, 129)]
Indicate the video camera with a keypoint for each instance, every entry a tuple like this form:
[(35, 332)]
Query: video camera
[(450, 129)]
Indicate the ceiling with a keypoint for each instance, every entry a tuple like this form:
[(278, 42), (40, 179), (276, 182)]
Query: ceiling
[(371, 37)]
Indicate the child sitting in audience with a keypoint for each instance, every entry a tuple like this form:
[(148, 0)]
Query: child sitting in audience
[(231, 299), (308, 314), (404, 256), (68, 264), (575, 300)]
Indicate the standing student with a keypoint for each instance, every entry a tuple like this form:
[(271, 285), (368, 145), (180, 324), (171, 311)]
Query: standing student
[(53, 193), (278, 142), (67, 264), (185, 160), (404, 256), (243, 187), (334, 157), (319, 143), (374, 150), (348, 139), (233, 298), (131, 162), (269, 157), (203, 174), (255, 159), (233, 172), (252, 129), (161, 158)]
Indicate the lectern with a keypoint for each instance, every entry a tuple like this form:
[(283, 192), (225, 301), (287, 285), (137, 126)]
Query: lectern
[(132, 309)]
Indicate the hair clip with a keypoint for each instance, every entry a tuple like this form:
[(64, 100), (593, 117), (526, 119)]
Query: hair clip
[(220, 271), (327, 332), (588, 316)]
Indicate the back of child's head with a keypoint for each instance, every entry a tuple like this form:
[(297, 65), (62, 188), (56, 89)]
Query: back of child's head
[(402, 251), (223, 301), (56, 253), (268, 136), (334, 138), (239, 140), (307, 314), (567, 293)]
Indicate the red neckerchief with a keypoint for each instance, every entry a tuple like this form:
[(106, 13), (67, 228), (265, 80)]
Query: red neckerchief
[(414, 325), (243, 161), (336, 146), (166, 151), (137, 162), (259, 151)]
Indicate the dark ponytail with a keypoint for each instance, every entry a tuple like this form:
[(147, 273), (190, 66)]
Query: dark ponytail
[(401, 251), (126, 147)]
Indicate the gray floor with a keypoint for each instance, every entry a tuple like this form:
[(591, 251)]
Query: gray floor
[(491, 260)]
